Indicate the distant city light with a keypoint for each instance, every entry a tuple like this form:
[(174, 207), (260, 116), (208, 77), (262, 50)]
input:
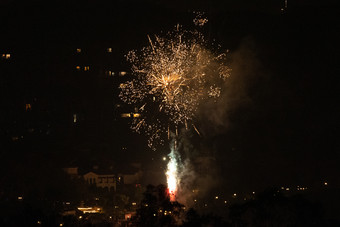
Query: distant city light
[(89, 210), (125, 115), (325, 183), (110, 73), (109, 50), (6, 56), (78, 50), (136, 115), (164, 158), (122, 73), (28, 106), (20, 198), (74, 118), (216, 197)]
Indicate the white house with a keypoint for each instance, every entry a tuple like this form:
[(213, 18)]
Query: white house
[(101, 180)]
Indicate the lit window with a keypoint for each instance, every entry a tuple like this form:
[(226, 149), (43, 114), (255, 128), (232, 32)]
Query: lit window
[(78, 67), (109, 50), (122, 73), (6, 56), (125, 115), (136, 115), (86, 68), (28, 106), (110, 73), (78, 50), (75, 118)]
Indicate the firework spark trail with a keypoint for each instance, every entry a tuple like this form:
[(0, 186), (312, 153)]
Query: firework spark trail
[(171, 77), (172, 172)]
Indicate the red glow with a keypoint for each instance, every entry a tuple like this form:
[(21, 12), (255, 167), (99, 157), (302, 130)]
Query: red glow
[(172, 195)]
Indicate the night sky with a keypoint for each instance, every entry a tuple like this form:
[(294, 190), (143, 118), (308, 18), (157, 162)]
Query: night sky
[(275, 124)]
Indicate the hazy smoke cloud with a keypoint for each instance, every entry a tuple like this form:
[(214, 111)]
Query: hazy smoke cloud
[(198, 173), (214, 115), (199, 170)]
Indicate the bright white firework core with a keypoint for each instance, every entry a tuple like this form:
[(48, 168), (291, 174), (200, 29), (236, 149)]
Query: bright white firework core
[(171, 174)]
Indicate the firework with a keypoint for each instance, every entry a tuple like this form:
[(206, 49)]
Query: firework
[(171, 173), (171, 77), (200, 19)]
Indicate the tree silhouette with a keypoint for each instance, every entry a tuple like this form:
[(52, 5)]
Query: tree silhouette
[(156, 208), (272, 208)]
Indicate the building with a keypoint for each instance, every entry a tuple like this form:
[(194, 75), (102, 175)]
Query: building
[(132, 177), (106, 181)]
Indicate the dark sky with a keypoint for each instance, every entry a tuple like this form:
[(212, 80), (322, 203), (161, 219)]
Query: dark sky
[(276, 123)]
